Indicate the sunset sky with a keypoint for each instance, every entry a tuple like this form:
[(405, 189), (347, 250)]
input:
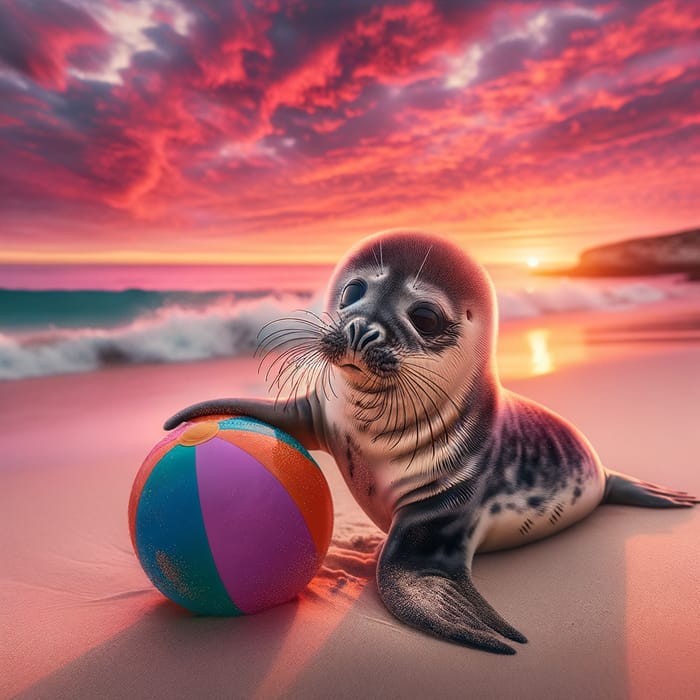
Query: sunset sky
[(258, 131)]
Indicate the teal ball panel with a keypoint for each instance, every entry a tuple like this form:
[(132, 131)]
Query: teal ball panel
[(171, 540)]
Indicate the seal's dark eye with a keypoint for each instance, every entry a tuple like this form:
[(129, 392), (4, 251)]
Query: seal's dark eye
[(354, 291), (427, 319)]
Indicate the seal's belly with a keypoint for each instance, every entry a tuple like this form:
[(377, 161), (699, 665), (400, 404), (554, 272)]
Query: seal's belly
[(528, 516)]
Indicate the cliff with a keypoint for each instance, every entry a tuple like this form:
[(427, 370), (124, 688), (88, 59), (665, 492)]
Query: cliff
[(654, 255)]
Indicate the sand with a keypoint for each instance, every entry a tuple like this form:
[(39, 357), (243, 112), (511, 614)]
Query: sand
[(611, 606)]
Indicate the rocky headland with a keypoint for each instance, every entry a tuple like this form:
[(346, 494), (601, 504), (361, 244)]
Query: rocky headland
[(653, 255)]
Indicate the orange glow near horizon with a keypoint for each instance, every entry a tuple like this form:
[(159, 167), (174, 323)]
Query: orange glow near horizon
[(270, 134), (251, 257)]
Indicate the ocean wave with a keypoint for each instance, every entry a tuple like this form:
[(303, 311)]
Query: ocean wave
[(229, 327), (172, 334), (568, 295)]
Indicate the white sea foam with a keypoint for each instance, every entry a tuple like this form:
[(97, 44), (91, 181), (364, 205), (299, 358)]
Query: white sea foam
[(229, 327), (568, 295), (172, 335)]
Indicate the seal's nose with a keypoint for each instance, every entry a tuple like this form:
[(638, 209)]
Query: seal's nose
[(362, 335)]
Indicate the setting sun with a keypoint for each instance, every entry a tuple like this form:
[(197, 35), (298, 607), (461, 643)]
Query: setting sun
[(533, 262)]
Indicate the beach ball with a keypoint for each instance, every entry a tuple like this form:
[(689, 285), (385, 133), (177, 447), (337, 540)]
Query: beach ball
[(230, 516)]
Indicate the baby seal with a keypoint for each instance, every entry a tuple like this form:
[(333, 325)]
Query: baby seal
[(398, 381)]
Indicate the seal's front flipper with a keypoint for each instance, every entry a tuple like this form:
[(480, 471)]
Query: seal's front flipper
[(424, 581), (298, 418), (628, 491), (446, 608)]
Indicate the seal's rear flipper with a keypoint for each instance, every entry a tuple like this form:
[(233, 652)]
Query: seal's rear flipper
[(628, 491), (424, 581)]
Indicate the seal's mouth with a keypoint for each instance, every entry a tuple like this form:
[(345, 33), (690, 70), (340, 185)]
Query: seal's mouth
[(376, 363)]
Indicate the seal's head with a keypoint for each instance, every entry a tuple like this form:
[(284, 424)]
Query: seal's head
[(405, 347), (405, 302)]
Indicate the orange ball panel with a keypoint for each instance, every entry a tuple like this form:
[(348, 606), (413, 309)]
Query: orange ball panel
[(145, 471), (303, 480)]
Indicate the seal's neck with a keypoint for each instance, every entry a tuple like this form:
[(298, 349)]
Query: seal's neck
[(418, 423)]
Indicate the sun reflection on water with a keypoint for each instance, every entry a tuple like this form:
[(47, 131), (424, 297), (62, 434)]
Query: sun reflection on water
[(540, 356)]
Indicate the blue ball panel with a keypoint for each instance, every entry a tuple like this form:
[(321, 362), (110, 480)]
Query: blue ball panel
[(171, 541)]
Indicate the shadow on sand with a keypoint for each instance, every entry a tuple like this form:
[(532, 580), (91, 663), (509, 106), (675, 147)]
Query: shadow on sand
[(574, 617)]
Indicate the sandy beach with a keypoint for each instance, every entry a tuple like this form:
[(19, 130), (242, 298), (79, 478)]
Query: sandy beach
[(611, 606)]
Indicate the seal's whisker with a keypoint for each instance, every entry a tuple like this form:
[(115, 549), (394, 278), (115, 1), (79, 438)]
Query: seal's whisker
[(387, 431), (335, 321), (309, 357), (308, 377), (282, 384), (313, 314), (319, 386), (326, 380), (391, 408), (294, 393), (292, 359), (321, 380), (330, 379), (278, 356), (296, 362), (291, 354), (428, 387), (275, 344), (272, 343), (309, 330), (405, 399), (321, 324), (376, 398), (423, 368), (294, 319), (420, 269), (294, 349), (419, 385), (436, 413), (431, 393), (416, 371), (417, 430), (379, 260), (385, 404), (412, 384)]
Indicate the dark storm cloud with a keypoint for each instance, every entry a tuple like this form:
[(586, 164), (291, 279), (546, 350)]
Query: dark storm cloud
[(37, 39)]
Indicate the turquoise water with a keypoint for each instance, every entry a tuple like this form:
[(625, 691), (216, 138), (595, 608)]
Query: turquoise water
[(38, 309)]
